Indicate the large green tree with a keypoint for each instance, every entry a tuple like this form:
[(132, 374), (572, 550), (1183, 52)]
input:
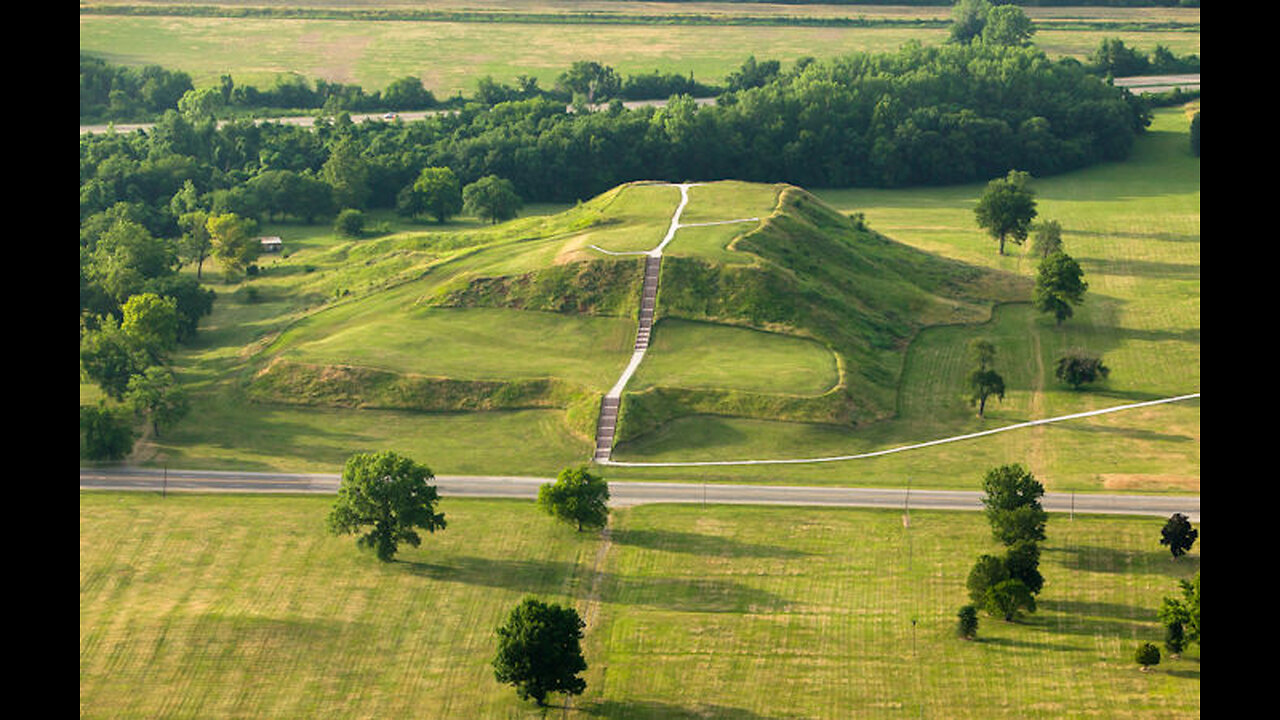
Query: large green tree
[(1007, 208), (152, 322), (1011, 496), (491, 198), (436, 192), (234, 241), (109, 356), (1007, 25), (590, 81), (1059, 285), (156, 395), (577, 496), (390, 495), (540, 651)]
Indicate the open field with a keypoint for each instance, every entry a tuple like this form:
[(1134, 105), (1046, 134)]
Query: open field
[(451, 56), (198, 606)]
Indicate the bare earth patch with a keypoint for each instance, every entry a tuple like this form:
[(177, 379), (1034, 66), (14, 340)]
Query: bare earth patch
[(1123, 481)]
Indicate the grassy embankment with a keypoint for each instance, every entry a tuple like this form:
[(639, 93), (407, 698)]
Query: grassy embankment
[(450, 57), (1135, 228), (216, 606)]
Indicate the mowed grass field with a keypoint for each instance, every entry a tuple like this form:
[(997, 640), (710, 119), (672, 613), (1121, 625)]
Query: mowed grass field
[(450, 57), (236, 606)]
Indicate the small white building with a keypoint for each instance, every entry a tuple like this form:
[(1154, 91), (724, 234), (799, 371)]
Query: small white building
[(271, 244)]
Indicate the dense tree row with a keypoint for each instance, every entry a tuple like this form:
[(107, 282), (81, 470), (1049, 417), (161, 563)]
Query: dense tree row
[(919, 116)]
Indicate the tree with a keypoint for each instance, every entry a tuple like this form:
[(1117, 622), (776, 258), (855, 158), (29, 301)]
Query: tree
[(390, 493), (986, 573), (436, 192), (1022, 560), (407, 93), (1009, 598), (539, 651), (1046, 238), (492, 198), (156, 395), (1007, 25), (109, 357), (1012, 500), (152, 322), (195, 244), (1175, 640), (590, 80), (967, 622), (1178, 535), (968, 17), (1007, 208), (577, 496), (1059, 285), (984, 381), (1184, 611), (234, 241), (1147, 655), (107, 435), (349, 223), (1080, 367), (347, 173)]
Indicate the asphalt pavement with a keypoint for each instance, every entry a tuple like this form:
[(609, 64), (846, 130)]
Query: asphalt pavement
[(637, 493)]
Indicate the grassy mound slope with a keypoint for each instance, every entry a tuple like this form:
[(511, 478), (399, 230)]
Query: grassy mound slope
[(535, 316), (820, 275)]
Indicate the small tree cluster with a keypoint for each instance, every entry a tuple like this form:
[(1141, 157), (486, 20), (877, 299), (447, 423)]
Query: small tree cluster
[(1007, 585)]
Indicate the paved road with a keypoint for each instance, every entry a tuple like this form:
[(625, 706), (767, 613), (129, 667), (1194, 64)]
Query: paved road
[(637, 493)]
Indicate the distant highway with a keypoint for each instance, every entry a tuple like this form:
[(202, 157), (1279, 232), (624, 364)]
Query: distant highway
[(638, 493)]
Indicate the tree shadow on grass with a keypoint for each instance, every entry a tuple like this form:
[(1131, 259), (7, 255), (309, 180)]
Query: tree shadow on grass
[(651, 710), (533, 576), (699, 544), (1114, 560), (1015, 643), (1095, 619), (549, 577)]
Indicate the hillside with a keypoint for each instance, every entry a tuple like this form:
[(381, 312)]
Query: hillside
[(541, 314)]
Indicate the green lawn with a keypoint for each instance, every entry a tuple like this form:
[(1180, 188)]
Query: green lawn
[(703, 355), (481, 344), (200, 606)]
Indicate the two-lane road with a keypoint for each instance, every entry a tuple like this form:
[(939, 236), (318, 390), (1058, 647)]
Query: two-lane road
[(636, 493)]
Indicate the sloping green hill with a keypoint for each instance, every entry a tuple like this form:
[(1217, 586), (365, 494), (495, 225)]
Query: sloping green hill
[(799, 313)]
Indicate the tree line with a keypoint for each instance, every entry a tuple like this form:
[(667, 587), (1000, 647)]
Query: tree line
[(936, 115)]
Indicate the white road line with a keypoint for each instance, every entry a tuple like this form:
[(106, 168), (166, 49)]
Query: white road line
[(905, 448)]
